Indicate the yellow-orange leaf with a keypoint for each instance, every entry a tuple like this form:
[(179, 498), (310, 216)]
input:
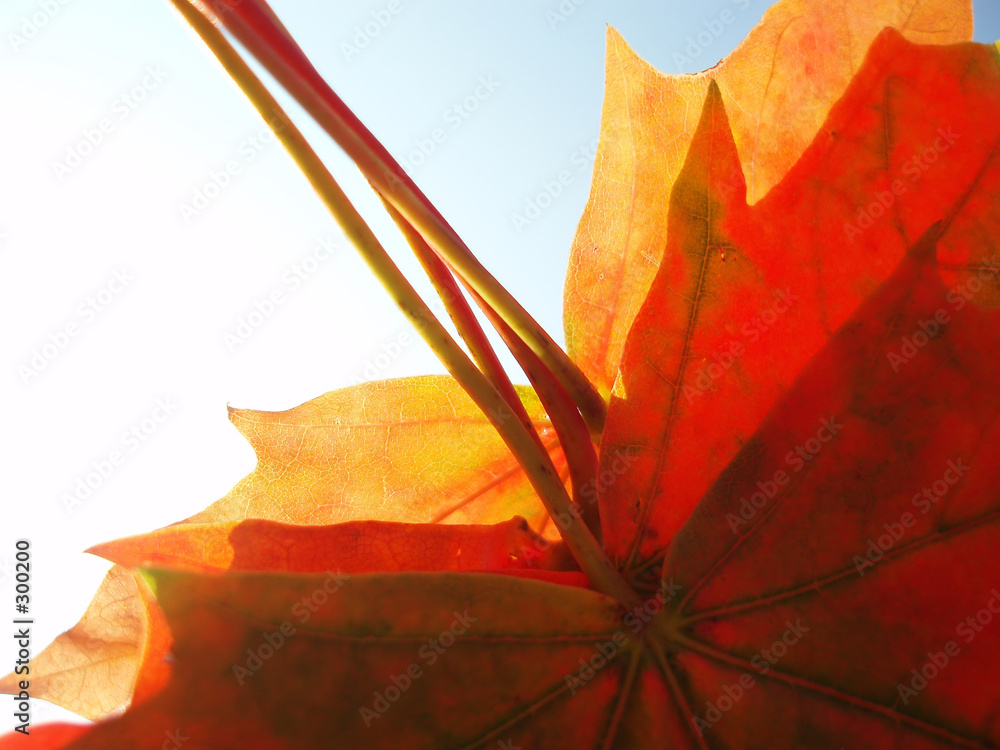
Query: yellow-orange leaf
[(415, 449), (93, 669)]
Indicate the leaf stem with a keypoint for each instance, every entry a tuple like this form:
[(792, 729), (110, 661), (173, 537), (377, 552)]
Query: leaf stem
[(254, 24), (574, 438), (536, 463), (462, 315), (573, 435)]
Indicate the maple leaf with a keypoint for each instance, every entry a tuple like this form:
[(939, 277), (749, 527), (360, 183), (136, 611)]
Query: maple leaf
[(845, 463), (354, 547), (747, 295), (750, 651), (412, 449), (93, 668), (778, 86)]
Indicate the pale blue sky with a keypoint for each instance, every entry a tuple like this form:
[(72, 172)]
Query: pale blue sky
[(183, 286)]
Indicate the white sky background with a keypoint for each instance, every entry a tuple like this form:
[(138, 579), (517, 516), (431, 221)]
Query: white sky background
[(163, 335)]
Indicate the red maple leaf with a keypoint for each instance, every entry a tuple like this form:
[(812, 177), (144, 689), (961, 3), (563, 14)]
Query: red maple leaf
[(797, 488)]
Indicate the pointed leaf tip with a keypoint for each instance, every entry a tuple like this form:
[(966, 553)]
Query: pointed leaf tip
[(806, 52)]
